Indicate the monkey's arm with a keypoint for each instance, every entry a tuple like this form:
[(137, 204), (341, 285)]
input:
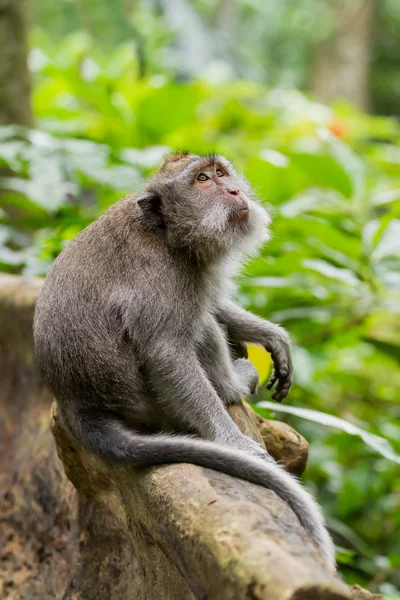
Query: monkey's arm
[(184, 390), (231, 379), (243, 326)]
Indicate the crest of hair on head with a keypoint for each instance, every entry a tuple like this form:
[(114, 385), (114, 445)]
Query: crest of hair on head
[(174, 161)]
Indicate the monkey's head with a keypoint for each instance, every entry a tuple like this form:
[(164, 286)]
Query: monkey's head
[(203, 204)]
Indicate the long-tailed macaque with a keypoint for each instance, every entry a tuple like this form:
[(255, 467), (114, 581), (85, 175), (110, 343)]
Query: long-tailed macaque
[(133, 322)]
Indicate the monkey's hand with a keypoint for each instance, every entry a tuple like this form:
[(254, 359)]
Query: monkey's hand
[(279, 347)]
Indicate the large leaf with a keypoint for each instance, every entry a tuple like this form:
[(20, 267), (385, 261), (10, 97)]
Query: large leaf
[(261, 359), (324, 171), (389, 244), (168, 108), (327, 270), (348, 160), (379, 444)]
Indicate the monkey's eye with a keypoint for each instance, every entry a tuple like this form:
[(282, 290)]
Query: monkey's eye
[(219, 173), (202, 177)]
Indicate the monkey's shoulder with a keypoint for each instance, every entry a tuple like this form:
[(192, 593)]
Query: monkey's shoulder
[(116, 235)]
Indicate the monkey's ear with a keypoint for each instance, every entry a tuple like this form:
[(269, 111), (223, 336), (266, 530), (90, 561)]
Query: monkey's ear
[(150, 204)]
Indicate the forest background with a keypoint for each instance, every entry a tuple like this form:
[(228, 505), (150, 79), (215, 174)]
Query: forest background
[(304, 96)]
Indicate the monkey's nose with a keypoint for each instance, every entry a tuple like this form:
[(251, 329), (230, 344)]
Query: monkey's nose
[(233, 191)]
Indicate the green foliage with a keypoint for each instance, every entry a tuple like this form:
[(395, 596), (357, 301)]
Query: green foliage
[(272, 41), (330, 274)]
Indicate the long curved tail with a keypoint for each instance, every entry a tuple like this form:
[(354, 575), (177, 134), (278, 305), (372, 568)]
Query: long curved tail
[(110, 438)]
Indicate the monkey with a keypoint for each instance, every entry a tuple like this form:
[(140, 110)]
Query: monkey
[(133, 326)]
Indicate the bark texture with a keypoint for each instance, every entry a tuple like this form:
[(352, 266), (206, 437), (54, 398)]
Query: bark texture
[(15, 106), (342, 61), (83, 529)]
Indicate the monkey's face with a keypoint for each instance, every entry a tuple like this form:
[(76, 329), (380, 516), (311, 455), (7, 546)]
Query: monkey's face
[(215, 183), (207, 206)]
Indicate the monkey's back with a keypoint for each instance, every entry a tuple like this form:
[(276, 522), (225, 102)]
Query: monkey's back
[(81, 319)]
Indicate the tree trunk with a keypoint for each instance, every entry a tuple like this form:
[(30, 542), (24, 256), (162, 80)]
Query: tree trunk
[(341, 65), (15, 106)]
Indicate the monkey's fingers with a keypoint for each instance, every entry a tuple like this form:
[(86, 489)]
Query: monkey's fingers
[(282, 388), (272, 380), (283, 369)]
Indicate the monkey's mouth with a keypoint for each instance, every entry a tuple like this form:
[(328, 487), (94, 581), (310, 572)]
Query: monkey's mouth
[(240, 213)]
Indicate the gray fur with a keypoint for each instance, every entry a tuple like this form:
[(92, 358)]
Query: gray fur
[(131, 330)]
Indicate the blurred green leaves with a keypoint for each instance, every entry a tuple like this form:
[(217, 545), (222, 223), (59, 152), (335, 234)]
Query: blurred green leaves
[(54, 187), (330, 275)]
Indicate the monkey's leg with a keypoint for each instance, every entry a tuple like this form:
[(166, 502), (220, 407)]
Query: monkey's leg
[(246, 327), (184, 390), (247, 373), (231, 379)]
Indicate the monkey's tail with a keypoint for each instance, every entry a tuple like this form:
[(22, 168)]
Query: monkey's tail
[(110, 438)]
